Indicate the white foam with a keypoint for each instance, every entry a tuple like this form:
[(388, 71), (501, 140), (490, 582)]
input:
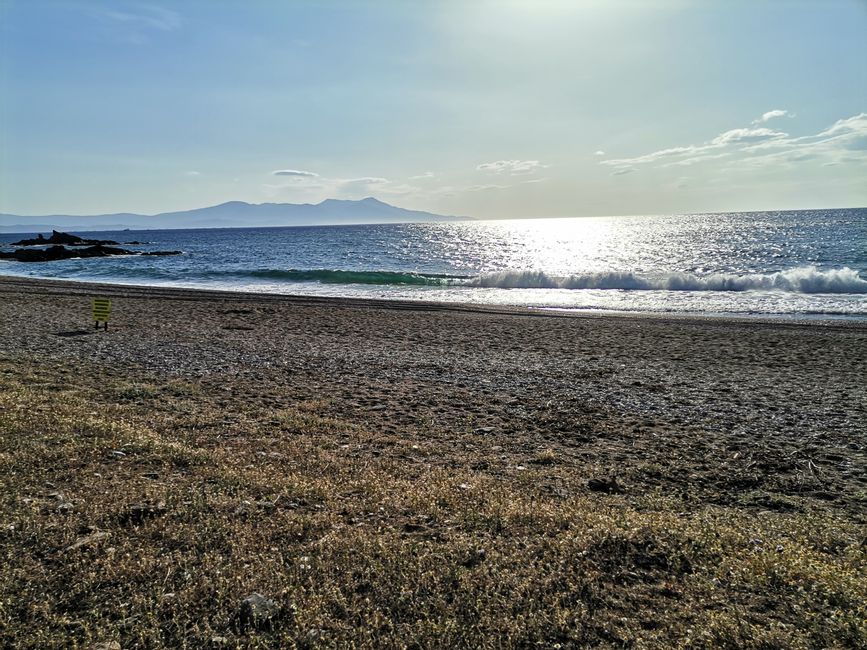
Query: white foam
[(805, 279)]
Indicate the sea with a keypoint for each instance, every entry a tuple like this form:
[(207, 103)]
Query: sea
[(786, 264)]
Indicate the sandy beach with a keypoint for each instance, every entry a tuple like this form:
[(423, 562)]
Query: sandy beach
[(721, 406), (765, 420)]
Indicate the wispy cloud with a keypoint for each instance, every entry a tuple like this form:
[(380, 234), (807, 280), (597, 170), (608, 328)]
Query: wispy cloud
[(143, 15), (777, 112), (422, 176), (599, 153), (844, 141), (484, 188), (192, 174), (364, 180), (294, 172), (513, 167), (746, 135)]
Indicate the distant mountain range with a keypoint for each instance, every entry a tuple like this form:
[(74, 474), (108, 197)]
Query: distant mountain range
[(234, 214)]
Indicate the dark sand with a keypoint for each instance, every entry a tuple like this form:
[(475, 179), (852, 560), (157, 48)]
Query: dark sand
[(765, 415)]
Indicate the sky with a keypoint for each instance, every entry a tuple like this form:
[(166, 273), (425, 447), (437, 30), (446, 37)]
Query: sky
[(497, 109)]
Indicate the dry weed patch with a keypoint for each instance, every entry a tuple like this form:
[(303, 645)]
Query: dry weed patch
[(144, 513)]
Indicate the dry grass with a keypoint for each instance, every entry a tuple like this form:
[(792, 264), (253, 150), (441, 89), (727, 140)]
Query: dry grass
[(143, 513)]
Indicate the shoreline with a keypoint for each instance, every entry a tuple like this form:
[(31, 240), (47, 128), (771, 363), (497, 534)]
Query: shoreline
[(80, 287)]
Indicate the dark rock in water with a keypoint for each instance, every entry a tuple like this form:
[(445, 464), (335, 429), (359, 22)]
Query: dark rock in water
[(64, 238), (608, 485), (54, 253), (95, 242), (257, 612)]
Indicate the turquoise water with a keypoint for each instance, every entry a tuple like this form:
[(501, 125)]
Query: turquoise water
[(794, 263)]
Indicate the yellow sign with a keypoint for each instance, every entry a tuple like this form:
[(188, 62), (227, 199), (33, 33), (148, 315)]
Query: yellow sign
[(101, 309)]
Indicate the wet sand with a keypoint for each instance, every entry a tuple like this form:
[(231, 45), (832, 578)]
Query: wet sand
[(770, 415)]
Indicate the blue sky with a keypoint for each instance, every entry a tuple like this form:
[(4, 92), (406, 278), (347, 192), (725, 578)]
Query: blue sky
[(488, 109)]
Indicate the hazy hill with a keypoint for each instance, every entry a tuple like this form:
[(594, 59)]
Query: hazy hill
[(234, 214)]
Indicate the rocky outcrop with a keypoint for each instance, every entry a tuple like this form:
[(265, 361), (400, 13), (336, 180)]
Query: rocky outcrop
[(58, 237), (54, 253)]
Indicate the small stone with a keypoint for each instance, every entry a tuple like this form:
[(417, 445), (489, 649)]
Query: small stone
[(257, 611), (137, 514), (475, 558), (608, 485)]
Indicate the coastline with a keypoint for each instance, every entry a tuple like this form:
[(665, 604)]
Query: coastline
[(422, 432), (81, 287)]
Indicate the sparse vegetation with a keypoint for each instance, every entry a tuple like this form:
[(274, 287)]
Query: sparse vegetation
[(145, 514)]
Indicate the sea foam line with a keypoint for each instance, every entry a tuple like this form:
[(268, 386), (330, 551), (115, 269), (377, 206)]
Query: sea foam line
[(805, 279)]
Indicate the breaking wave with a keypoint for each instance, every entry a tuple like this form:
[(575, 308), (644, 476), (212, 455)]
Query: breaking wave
[(329, 276), (802, 280), (806, 279)]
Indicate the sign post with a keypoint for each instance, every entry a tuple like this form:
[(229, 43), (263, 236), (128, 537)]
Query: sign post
[(101, 311)]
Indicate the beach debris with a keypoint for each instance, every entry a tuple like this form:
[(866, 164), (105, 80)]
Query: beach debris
[(106, 645), (475, 558), (607, 485), (88, 540), (138, 513), (257, 612)]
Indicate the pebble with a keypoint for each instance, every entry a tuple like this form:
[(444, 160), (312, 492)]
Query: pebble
[(257, 611)]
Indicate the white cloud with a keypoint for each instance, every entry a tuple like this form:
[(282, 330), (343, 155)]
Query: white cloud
[(144, 15), (599, 153), (485, 188), (656, 155), (845, 141), (741, 135), (422, 176), (692, 160), (192, 174), (778, 112), (623, 170), (364, 180), (513, 167), (294, 172)]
